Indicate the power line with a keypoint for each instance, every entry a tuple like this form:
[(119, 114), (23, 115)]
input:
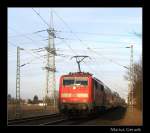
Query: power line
[(19, 35), (31, 51), (40, 17), (101, 76), (92, 69), (70, 47), (103, 34), (88, 48), (68, 27), (14, 45), (25, 36), (92, 40), (28, 51), (80, 39), (29, 62), (88, 65), (106, 58), (112, 48)]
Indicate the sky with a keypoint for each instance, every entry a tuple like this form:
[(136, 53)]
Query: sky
[(101, 33)]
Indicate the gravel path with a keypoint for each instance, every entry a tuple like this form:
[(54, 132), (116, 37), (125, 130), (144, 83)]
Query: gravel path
[(118, 117)]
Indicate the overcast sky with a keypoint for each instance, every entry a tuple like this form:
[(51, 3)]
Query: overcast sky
[(101, 33)]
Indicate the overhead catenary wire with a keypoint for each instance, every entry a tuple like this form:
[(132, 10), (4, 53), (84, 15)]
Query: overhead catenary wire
[(83, 61), (111, 60), (68, 27), (70, 47), (29, 62), (90, 33), (96, 41), (104, 81), (36, 50), (103, 56), (74, 34), (94, 70), (28, 51), (33, 52), (79, 32), (72, 31), (98, 48), (40, 17), (102, 72), (25, 36), (14, 45), (80, 39)]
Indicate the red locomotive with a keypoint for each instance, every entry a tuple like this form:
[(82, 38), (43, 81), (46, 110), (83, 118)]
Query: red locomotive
[(81, 92)]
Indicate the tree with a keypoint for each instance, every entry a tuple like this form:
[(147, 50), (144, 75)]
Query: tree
[(137, 82), (35, 99), (29, 101), (9, 98), (47, 100)]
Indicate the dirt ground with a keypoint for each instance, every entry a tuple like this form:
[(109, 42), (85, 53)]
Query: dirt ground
[(119, 117), (30, 110), (132, 117)]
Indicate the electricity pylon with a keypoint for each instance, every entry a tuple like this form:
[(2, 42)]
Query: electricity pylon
[(50, 67)]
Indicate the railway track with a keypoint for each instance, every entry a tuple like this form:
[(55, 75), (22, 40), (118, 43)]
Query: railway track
[(53, 119), (82, 120), (57, 119), (55, 122), (67, 121), (36, 120)]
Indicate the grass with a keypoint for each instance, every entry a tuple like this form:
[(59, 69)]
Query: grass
[(29, 110)]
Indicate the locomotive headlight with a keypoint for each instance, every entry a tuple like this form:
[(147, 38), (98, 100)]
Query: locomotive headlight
[(74, 87), (84, 107), (63, 100)]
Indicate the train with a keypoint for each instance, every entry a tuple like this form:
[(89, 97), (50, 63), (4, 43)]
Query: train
[(80, 92)]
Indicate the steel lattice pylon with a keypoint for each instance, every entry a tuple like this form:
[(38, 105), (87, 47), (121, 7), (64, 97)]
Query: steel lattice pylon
[(50, 67)]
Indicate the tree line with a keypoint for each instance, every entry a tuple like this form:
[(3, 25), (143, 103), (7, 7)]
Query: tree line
[(35, 100), (137, 82), (12, 100)]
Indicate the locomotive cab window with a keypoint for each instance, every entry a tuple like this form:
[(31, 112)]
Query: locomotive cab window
[(81, 82), (68, 82), (78, 81)]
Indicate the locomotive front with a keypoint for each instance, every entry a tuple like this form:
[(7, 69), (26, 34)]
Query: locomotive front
[(75, 93)]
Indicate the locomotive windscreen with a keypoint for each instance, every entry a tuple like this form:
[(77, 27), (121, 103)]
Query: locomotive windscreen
[(69, 81)]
